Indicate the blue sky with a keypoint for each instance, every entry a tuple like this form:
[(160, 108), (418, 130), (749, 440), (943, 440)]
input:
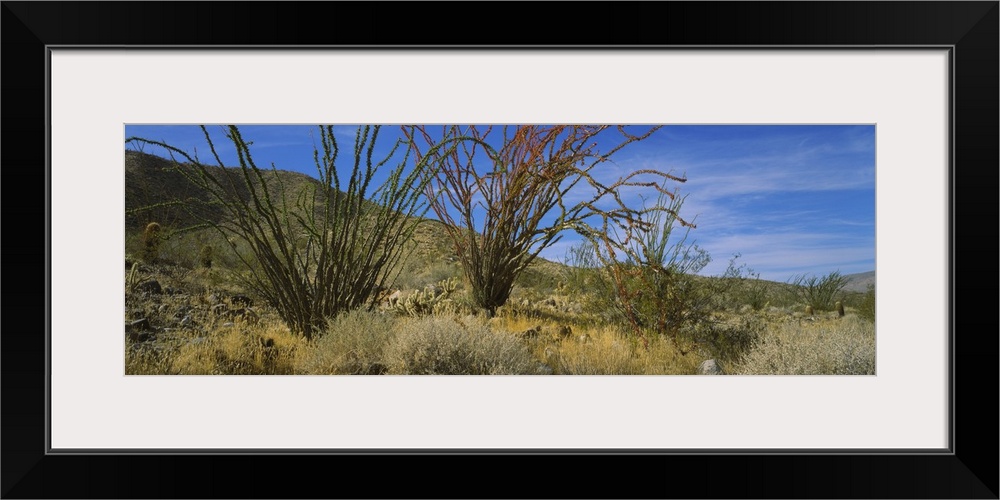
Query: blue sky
[(796, 199)]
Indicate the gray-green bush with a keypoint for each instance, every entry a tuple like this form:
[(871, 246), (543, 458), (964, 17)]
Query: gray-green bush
[(437, 345), (351, 344), (843, 347)]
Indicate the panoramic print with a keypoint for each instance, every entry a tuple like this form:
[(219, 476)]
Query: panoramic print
[(499, 250)]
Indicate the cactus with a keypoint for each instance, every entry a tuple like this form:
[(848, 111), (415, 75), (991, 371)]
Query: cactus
[(840, 308), (132, 279), (433, 298), (206, 256), (151, 242)]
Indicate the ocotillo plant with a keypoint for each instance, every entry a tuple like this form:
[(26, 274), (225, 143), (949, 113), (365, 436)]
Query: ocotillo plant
[(518, 186), (327, 248), (818, 292)]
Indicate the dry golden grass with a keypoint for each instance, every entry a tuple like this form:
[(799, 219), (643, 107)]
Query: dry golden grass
[(267, 348), (606, 351), (597, 349), (563, 338)]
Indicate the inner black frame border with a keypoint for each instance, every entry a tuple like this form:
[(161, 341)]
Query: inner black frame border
[(968, 469)]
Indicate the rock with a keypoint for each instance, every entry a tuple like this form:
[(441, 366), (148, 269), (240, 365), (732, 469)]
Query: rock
[(242, 300), (182, 311), (139, 325), (531, 333), (137, 336), (228, 324), (245, 314), (710, 367), (551, 355), (564, 331), (151, 287)]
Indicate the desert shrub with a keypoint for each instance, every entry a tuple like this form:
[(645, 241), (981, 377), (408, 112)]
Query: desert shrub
[(581, 273), (866, 304), (351, 344), (437, 345), (655, 287), (177, 249), (842, 347), (536, 279), (819, 292), (749, 290), (728, 341)]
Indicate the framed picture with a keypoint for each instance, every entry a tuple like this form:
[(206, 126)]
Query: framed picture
[(923, 74)]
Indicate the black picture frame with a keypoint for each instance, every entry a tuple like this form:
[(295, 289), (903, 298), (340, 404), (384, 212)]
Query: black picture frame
[(970, 470)]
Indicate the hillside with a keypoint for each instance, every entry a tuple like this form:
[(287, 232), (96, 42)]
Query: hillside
[(859, 282), (154, 189), (154, 186)]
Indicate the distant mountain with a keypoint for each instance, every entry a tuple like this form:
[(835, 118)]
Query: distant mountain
[(156, 191), (859, 282)]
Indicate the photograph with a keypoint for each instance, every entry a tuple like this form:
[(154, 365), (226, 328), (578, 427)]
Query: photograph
[(499, 249)]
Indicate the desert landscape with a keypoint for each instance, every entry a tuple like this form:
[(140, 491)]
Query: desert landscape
[(237, 269)]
